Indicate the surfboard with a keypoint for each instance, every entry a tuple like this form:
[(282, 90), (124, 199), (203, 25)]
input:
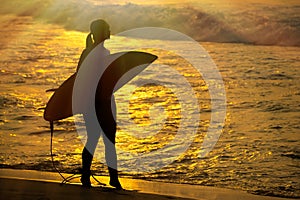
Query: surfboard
[(113, 78)]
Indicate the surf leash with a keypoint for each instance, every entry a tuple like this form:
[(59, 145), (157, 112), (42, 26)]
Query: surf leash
[(73, 176), (52, 157), (69, 178)]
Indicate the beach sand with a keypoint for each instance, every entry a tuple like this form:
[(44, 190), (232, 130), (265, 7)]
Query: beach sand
[(28, 184)]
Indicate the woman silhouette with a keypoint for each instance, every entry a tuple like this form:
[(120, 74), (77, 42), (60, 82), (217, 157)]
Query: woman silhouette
[(105, 114)]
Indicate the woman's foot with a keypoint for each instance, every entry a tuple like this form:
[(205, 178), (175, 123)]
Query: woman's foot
[(114, 180), (116, 184), (87, 158), (85, 180)]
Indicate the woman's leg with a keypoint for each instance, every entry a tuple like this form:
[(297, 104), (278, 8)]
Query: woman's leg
[(111, 160), (88, 151), (105, 113)]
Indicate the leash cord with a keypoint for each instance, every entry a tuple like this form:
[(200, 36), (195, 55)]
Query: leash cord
[(73, 176)]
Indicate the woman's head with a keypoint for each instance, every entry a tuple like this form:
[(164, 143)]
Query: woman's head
[(100, 30)]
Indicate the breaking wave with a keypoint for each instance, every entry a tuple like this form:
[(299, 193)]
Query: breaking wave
[(255, 24)]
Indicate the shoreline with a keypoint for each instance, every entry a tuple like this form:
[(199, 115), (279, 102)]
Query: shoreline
[(47, 185)]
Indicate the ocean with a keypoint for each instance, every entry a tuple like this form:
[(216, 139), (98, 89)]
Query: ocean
[(258, 150)]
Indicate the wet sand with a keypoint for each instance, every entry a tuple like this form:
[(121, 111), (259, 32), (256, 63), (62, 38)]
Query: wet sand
[(28, 184)]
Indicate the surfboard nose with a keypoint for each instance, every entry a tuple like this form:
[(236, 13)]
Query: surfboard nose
[(122, 70)]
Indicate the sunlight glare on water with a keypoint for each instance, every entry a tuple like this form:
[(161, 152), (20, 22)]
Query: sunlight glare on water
[(257, 152)]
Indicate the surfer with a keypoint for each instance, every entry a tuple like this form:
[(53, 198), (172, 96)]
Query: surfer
[(100, 32)]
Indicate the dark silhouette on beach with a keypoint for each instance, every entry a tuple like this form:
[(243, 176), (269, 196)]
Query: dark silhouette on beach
[(100, 32)]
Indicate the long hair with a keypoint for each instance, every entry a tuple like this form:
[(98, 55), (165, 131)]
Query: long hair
[(89, 41)]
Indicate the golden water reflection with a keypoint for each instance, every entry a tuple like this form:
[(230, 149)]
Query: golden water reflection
[(142, 101)]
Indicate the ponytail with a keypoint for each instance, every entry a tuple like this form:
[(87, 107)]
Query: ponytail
[(89, 41), (89, 46)]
